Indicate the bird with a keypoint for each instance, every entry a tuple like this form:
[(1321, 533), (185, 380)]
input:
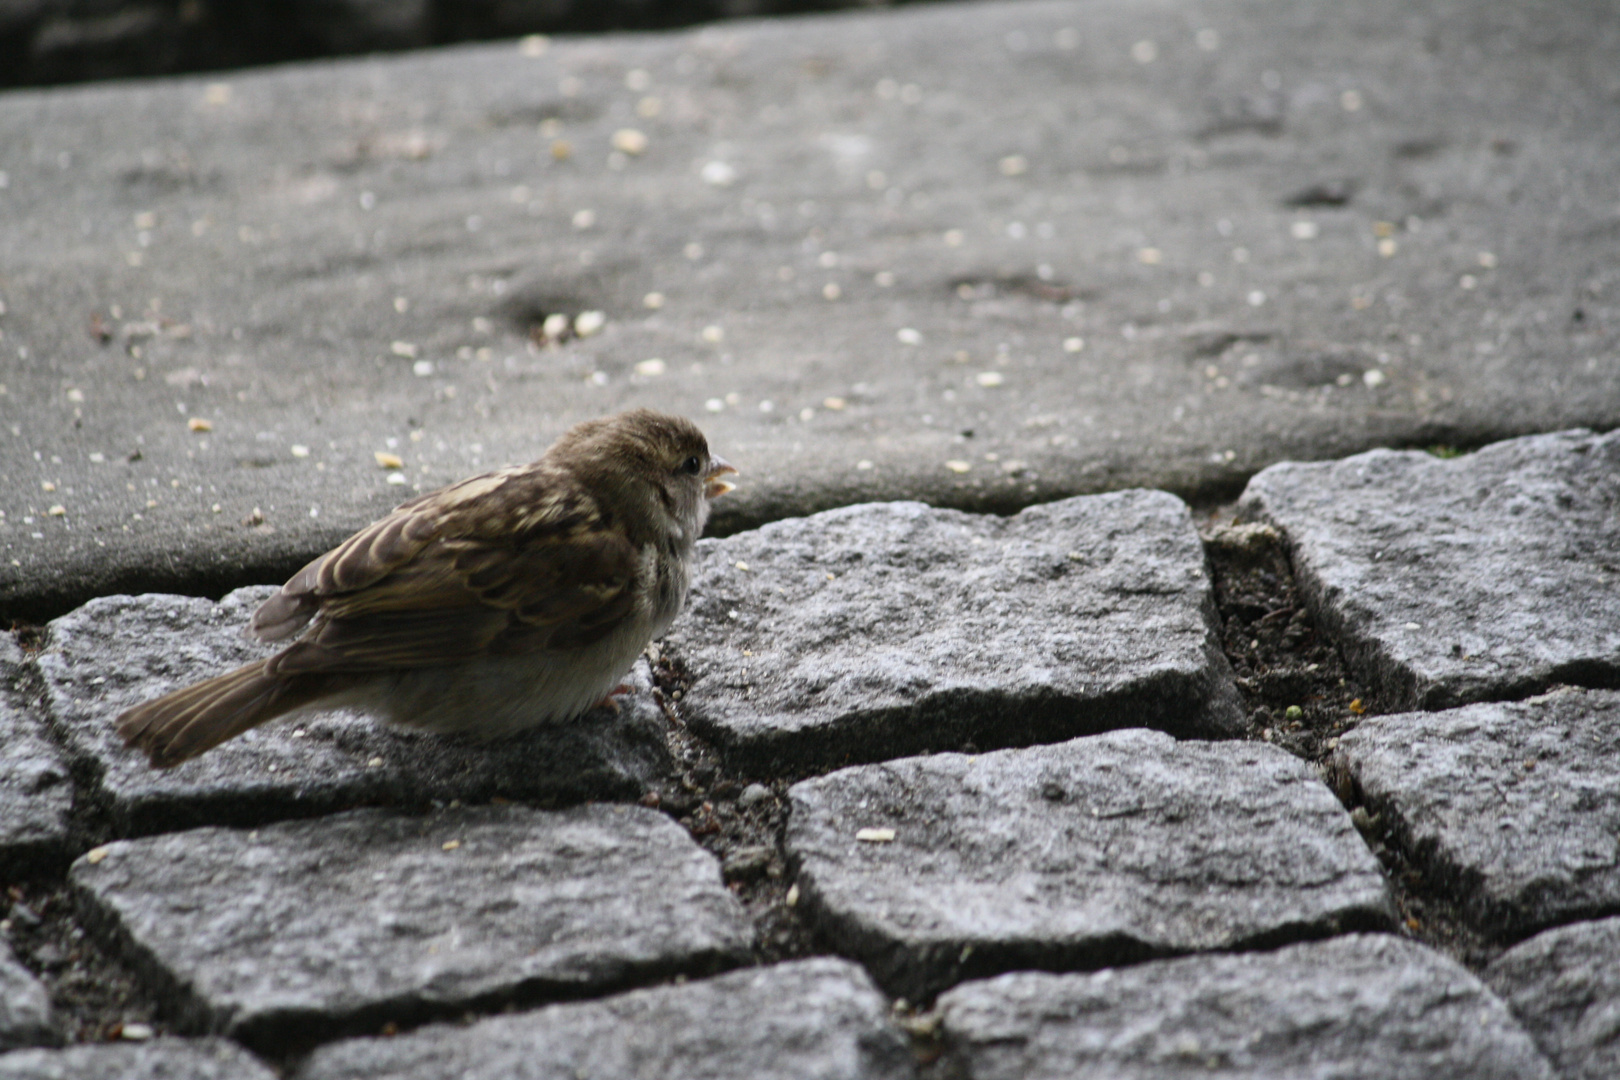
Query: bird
[(502, 602)]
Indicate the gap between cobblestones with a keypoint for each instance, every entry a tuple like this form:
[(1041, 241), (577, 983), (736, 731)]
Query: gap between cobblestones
[(1296, 691)]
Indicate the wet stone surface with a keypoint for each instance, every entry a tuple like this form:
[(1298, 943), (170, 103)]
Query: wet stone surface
[(163, 1059), (812, 1018), (36, 795), (1513, 809), (118, 651), (1098, 851), (306, 929), (1368, 1006), (1482, 577), (891, 628), (1564, 986), (25, 1007)]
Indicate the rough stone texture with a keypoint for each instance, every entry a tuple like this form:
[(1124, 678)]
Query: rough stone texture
[(881, 630), (120, 650), (1564, 986), (305, 219), (25, 1007), (810, 1018), (1097, 851), (1512, 808), (1448, 581), (1372, 1007), (36, 794), (305, 929), (162, 1059)]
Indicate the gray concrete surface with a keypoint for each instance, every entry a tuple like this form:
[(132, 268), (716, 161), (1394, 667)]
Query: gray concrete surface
[(873, 631), (1268, 237)]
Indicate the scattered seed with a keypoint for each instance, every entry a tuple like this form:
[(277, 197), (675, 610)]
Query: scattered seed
[(388, 461), (831, 290), (908, 336), (587, 323), (197, 423), (450, 845), (959, 466), (836, 404), (1387, 247), (533, 45), (629, 141), (653, 301), (1304, 230), (989, 378), (404, 349), (655, 366), (719, 174), (1073, 344), (96, 854), (713, 334), (875, 836)]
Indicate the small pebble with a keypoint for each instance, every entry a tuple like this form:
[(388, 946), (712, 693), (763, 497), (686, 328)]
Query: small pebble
[(753, 795)]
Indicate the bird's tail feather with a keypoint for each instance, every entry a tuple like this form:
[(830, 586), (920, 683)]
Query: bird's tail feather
[(179, 726)]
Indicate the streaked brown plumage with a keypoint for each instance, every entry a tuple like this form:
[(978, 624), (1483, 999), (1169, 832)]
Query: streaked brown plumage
[(502, 602)]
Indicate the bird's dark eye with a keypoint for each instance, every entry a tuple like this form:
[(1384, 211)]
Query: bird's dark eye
[(692, 465)]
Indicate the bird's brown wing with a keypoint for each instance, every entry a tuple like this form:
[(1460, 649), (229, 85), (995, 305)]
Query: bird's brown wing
[(504, 563)]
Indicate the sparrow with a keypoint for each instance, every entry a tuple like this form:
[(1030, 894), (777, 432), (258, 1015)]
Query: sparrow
[(505, 601)]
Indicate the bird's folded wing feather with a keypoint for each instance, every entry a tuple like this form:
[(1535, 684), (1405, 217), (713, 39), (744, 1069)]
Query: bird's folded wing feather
[(440, 581)]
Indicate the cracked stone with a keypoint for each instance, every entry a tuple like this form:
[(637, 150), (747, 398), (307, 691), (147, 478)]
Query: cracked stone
[(893, 628), (310, 928), (1103, 850), (117, 651), (1368, 1006), (1513, 809), (819, 1018), (1483, 577), (161, 1059), (36, 794), (1564, 986), (25, 1007)]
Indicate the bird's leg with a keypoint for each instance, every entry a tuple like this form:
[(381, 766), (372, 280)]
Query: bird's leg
[(608, 702)]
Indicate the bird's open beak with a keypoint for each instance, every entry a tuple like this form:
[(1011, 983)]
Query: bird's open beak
[(713, 486)]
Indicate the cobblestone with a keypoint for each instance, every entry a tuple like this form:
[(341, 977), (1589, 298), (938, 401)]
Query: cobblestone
[(1363, 1006), (1564, 986), (891, 628), (1098, 851), (36, 795), (1513, 809), (25, 1008), (310, 928), (812, 1018), (161, 1059), (1483, 577)]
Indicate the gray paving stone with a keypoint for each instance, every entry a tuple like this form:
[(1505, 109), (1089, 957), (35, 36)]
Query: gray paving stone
[(885, 629), (1512, 808), (120, 650), (161, 1059), (311, 928), (1206, 222), (1364, 1006), (36, 792), (1564, 986), (1481, 577), (25, 1007), (817, 1018), (1102, 850)]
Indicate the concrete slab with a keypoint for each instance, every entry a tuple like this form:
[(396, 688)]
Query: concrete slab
[(1372, 1007), (308, 929), (1099, 851), (1564, 986), (36, 792), (25, 1006), (1513, 809), (1482, 577), (813, 1018), (161, 1059), (117, 651), (1267, 238), (888, 629)]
